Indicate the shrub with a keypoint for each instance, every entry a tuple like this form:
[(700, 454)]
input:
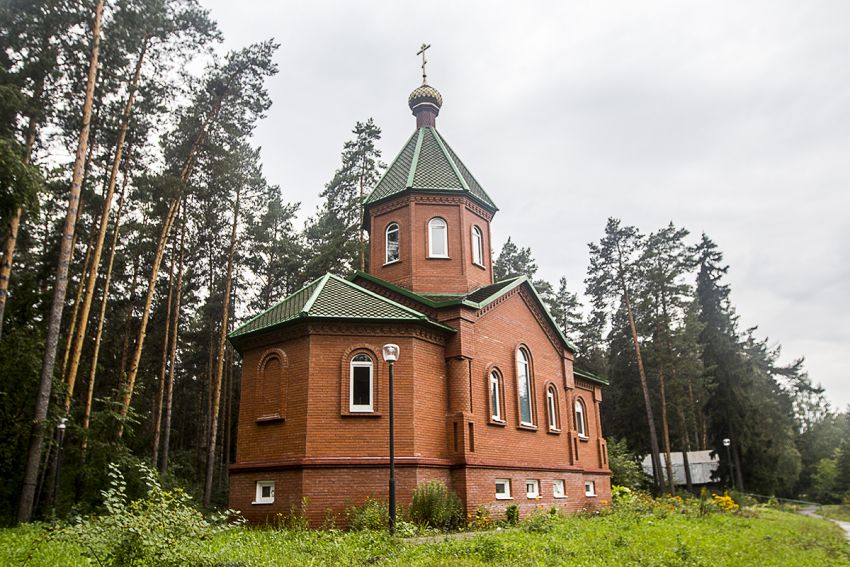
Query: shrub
[(371, 515), (435, 506), (481, 519), (512, 514), (162, 528)]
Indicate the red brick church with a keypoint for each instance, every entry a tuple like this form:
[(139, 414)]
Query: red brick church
[(486, 396)]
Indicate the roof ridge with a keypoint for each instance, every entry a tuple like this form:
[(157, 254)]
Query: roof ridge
[(392, 163), (312, 299), (413, 162), (277, 304), (449, 159)]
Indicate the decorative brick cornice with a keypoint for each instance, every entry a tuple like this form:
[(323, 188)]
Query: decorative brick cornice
[(584, 385), (379, 329)]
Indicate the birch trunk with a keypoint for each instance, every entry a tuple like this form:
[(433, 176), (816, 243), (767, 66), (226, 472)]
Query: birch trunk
[(169, 390), (60, 287), (89, 287), (222, 338)]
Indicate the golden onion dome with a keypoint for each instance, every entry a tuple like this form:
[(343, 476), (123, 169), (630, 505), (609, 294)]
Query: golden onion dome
[(425, 94)]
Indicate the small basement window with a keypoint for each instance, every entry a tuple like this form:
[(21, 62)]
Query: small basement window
[(532, 488), (503, 489), (589, 488), (558, 489), (265, 492)]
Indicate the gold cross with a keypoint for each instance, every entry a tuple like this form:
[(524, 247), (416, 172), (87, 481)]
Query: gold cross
[(422, 53)]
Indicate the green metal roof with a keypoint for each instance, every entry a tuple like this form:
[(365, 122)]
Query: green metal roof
[(332, 297), (477, 299), (427, 163)]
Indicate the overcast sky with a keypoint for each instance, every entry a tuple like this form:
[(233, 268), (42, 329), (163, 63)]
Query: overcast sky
[(730, 118)]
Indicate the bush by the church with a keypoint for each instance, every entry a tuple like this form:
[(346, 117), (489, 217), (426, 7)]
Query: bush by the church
[(435, 506)]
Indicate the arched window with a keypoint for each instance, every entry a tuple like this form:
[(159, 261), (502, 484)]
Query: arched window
[(552, 407), (362, 384), (477, 246), (270, 387), (523, 371), (438, 242), (392, 253), (581, 418), (496, 396)]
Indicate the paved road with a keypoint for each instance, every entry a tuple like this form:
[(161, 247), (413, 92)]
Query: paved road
[(844, 525)]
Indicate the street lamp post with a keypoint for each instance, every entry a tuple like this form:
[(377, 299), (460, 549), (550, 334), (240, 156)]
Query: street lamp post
[(60, 439), (390, 352), (727, 443)]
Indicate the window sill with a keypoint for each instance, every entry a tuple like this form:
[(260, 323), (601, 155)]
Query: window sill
[(262, 503), (562, 497), (590, 495), (393, 262), (527, 426), (554, 431), (361, 414), (533, 497), (263, 419), (499, 422), (504, 498), (438, 257), (477, 265), (583, 438)]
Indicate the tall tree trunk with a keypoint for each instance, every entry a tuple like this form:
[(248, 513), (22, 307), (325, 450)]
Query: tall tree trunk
[(653, 435), (15, 224), (185, 173), (160, 394), (61, 285), (169, 390), (665, 432), (80, 337), (686, 447), (125, 344), (222, 338), (102, 315)]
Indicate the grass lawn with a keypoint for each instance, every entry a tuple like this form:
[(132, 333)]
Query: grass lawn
[(836, 512), (764, 537)]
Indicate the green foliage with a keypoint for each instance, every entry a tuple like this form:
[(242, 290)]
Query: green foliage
[(825, 481), (163, 527), (512, 514), (625, 466), (435, 506), (371, 515)]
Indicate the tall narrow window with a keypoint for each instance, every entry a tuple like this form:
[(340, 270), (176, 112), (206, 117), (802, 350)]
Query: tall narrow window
[(477, 246), (392, 243), (438, 244), (361, 384), (552, 407), (523, 369), (581, 420), (496, 396)]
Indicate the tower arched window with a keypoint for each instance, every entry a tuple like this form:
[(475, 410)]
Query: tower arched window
[(392, 240), (524, 387), (581, 418), (361, 398), (552, 407), (438, 238), (477, 246)]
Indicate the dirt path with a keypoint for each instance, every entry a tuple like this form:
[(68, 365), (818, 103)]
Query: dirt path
[(812, 511)]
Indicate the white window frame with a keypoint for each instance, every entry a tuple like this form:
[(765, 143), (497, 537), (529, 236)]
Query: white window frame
[(258, 494), (432, 224), (559, 492), (523, 372), (532, 488), (506, 495), (581, 419), (392, 227), (361, 408), (590, 488), (496, 396), (477, 246), (552, 407)]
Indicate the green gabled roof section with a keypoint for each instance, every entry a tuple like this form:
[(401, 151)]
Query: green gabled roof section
[(478, 299), (589, 376), (427, 163), (333, 297)]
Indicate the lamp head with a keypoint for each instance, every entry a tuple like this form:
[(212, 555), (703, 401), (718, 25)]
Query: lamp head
[(727, 442), (390, 353), (63, 423)]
